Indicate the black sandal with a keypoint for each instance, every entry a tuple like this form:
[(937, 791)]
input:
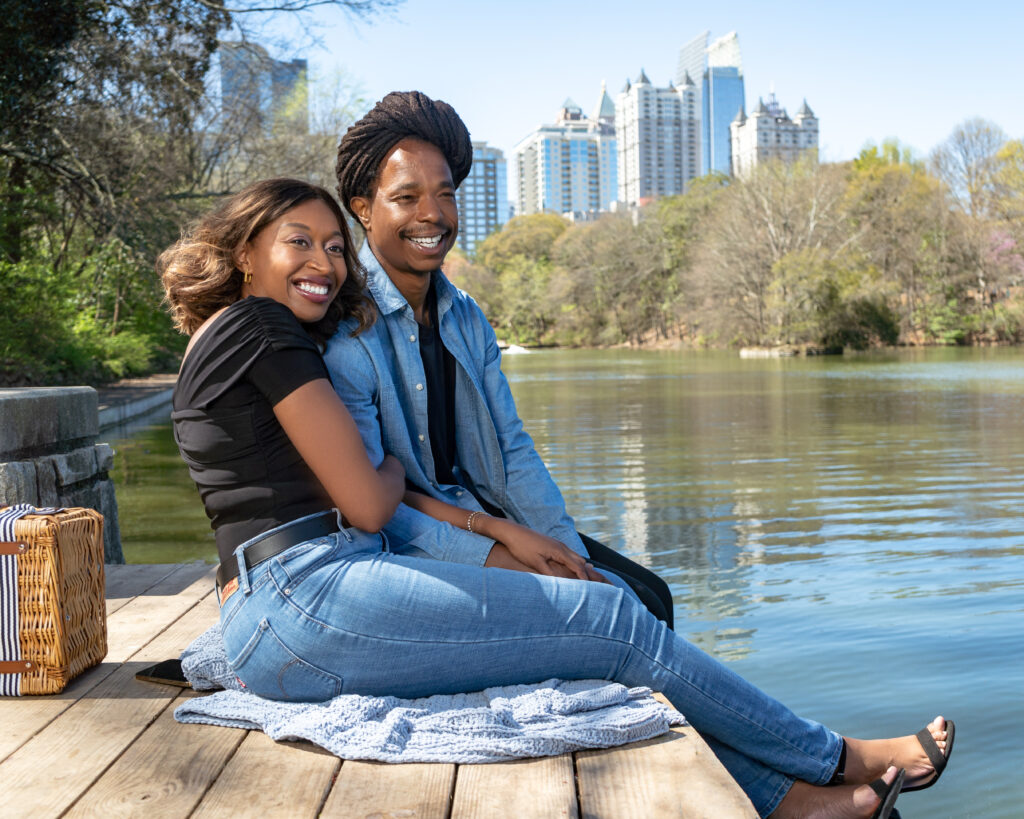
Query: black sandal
[(888, 794), (935, 755)]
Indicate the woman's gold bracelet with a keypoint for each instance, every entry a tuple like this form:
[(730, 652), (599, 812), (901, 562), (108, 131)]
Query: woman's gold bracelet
[(469, 521)]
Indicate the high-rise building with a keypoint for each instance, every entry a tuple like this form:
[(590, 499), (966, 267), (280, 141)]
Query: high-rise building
[(568, 166), (769, 133), (658, 142), (482, 197), (717, 69), (264, 91)]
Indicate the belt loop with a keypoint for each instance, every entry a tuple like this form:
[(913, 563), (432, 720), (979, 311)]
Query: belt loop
[(243, 575), (341, 525)]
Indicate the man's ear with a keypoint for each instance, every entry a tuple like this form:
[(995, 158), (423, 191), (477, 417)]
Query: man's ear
[(361, 206)]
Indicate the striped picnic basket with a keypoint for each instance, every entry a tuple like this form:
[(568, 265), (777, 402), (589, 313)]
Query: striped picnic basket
[(53, 622)]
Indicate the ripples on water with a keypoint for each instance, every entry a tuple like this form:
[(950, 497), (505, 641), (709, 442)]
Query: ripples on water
[(848, 533)]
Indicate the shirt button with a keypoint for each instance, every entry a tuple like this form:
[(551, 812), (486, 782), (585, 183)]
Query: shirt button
[(420, 436), (412, 338), (419, 386), (458, 494)]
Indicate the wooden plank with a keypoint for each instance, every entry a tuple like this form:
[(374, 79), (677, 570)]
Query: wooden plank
[(47, 774), (127, 629), (300, 772), (675, 774), (531, 788), (165, 772), (377, 790), (134, 625), (128, 580)]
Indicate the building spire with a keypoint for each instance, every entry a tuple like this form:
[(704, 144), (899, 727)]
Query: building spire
[(805, 111), (605, 110)]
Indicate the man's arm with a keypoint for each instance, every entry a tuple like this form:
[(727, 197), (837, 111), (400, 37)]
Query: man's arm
[(356, 382), (533, 498)]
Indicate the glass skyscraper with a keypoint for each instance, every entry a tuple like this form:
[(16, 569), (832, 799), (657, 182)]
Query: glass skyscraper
[(722, 100), (717, 70), (261, 90), (482, 197)]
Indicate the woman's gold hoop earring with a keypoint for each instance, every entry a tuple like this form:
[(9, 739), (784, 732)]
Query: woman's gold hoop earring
[(247, 277)]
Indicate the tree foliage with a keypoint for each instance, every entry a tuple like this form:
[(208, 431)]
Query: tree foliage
[(109, 142), (884, 249)]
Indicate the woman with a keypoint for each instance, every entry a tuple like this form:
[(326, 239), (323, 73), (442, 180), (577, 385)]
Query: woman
[(315, 602)]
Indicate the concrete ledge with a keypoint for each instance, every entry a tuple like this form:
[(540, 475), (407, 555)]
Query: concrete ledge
[(49, 419), (111, 416), (134, 397), (49, 455)]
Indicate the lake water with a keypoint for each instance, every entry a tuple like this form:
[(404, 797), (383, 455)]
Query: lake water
[(848, 532)]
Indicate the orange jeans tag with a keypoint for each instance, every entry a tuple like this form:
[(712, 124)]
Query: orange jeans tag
[(229, 589)]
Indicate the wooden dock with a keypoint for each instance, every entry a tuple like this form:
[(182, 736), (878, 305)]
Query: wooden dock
[(109, 746)]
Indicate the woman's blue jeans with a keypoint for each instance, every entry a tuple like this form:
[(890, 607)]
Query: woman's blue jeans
[(343, 615)]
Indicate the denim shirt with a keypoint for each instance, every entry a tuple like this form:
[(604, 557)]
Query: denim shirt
[(379, 375)]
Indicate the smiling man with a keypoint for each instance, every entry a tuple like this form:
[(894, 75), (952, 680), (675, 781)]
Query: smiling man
[(425, 382)]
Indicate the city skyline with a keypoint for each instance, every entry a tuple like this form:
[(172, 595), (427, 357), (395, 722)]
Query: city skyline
[(911, 71)]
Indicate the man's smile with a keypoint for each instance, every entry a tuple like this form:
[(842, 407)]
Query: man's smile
[(427, 242)]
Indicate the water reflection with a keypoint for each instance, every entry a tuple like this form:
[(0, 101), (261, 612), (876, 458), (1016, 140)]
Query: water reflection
[(160, 514), (748, 484)]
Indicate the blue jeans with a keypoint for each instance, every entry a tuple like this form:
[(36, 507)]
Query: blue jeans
[(344, 615)]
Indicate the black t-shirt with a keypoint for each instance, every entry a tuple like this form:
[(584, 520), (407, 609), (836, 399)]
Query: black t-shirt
[(439, 370), (249, 475)]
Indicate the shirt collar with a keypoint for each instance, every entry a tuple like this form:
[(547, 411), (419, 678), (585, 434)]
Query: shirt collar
[(388, 297)]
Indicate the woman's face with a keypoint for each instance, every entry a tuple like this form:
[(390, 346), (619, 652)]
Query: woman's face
[(297, 260)]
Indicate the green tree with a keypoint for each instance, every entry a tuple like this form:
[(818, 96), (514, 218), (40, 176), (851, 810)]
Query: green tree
[(104, 153), (779, 209)]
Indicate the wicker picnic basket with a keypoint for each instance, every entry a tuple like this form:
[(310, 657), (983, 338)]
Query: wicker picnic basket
[(54, 570)]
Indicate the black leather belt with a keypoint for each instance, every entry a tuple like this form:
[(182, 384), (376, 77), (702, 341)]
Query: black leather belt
[(273, 543)]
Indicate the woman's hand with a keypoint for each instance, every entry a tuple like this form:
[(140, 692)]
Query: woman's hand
[(523, 549)]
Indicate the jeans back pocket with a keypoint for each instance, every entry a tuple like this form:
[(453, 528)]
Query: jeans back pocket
[(268, 668)]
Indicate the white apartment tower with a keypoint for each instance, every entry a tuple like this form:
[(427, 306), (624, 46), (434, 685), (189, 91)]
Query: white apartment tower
[(658, 135), (769, 133), (569, 166)]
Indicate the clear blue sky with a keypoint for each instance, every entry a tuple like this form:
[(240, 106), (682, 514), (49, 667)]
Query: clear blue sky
[(869, 70)]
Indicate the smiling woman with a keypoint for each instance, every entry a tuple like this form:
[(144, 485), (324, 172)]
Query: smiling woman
[(298, 260), (301, 236)]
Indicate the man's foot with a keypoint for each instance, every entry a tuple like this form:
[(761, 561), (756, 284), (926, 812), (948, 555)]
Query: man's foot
[(867, 758), (874, 800)]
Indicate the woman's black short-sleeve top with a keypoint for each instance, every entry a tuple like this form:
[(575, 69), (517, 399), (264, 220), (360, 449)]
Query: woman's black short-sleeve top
[(249, 475)]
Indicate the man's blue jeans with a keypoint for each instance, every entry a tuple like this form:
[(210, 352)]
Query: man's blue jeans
[(341, 615)]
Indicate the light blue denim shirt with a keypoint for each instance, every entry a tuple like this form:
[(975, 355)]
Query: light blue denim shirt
[(379, 375)]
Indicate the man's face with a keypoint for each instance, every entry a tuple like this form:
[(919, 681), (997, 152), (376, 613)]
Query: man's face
[(412, 220)]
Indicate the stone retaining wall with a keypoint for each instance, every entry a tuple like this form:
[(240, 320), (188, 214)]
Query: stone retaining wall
[(49, 455)]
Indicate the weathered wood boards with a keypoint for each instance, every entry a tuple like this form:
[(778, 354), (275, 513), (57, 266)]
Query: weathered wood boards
[(109, 746)]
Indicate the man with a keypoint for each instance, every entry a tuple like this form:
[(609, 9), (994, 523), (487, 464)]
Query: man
[(425, 382)]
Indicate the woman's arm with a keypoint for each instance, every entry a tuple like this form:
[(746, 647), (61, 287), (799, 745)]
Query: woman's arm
[(517, 547), (323, 432)]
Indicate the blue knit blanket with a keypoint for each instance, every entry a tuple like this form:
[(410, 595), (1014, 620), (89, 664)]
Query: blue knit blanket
[(496, 724)]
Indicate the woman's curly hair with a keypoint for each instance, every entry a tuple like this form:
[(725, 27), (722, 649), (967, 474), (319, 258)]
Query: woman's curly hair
[(200, 276)]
